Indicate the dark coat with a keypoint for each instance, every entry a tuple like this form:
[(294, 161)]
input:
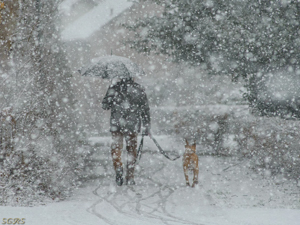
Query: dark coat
[(129, 107)]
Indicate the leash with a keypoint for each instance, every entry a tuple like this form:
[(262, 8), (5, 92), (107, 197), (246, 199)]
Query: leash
[(139, 151), (161, 150)]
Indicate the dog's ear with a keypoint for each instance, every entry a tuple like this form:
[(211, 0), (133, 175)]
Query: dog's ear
[(186, 142)]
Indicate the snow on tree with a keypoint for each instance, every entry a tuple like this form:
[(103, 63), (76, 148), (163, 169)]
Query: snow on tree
[(242, 38), (38, 123)]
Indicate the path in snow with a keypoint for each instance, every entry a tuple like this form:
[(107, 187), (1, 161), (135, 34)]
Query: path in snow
[(229, 193)]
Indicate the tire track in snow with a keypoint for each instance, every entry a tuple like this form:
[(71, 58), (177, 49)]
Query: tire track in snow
[(164, 200), (125, 193), (159, 206), (111, 200), (92, 208), (93, 211), (133, 202)]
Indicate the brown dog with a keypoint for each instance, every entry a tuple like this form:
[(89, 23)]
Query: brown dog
[(190, 162)]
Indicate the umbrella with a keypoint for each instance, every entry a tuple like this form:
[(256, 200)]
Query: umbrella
[(109, 67)]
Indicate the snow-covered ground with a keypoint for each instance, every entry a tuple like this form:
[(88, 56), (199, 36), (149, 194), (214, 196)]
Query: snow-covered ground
[(229, 193)]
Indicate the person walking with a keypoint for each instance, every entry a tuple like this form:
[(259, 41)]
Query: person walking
[(130, 110)]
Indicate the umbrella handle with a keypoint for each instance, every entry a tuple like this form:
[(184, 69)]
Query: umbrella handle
[(105, 73)]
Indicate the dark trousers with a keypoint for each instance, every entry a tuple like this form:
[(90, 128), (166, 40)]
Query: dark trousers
[(116, 152)]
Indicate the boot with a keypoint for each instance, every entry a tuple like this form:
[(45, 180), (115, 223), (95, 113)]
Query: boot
[(130, 176), (130, 181), (119, 176)]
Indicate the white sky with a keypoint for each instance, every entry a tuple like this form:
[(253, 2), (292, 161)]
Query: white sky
[(93, 20)]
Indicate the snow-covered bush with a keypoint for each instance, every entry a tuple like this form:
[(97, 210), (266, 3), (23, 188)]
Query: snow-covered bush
[(270, 144), (275, 93), (38, 126)]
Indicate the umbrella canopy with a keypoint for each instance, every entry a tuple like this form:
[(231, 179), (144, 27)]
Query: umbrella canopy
[(109, 67)]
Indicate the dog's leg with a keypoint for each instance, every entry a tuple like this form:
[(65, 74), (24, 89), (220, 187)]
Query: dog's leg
[(185, 170), (195, 180), (196, 172)]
